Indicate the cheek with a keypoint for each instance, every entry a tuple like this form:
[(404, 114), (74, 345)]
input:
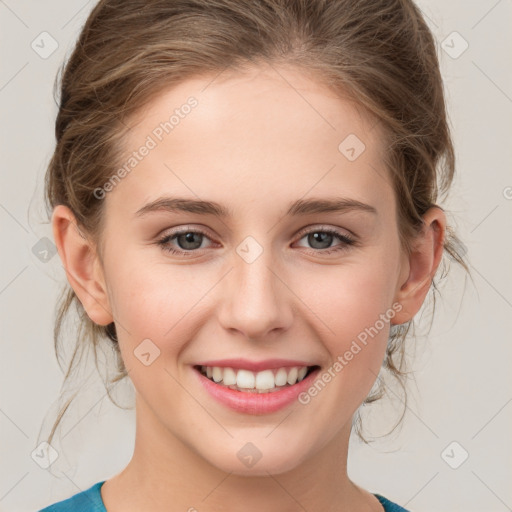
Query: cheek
[(161, 303), (352, 309), (349, 300)]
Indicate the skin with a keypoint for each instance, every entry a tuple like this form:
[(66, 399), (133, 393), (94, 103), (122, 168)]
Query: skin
[(257, 141)]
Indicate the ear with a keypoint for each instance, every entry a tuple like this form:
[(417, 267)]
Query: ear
[(421, 265), (82, 265)]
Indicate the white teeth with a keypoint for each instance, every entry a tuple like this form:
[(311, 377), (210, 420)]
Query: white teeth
[(292, 376), (229, 378), (217, 374), (302, 373), (281, 377), (264, 381), (244, 379)]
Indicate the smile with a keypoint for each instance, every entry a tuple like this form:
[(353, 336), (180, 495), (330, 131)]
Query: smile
[(266, 381), (255, 392)]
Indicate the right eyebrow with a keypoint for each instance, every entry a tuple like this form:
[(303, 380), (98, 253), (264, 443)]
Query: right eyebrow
[(173, 204)]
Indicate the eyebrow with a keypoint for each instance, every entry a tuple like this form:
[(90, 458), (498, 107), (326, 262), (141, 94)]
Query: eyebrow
[(299, 207)]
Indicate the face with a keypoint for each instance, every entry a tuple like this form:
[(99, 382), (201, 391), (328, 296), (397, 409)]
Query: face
[(276, 276)]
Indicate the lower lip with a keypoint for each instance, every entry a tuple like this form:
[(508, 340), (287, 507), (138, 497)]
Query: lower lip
[(256, 403)]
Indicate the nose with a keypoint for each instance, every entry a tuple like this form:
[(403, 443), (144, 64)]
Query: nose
[(256, 300)]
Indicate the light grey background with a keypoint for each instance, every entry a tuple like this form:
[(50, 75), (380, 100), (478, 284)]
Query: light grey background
[(463, 389)]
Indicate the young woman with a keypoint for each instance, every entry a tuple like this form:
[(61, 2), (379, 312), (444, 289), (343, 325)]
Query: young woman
[(243, 195)]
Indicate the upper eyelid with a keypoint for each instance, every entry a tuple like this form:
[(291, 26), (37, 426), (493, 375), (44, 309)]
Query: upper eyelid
[(300, 234), (319, 227), (180, 231)]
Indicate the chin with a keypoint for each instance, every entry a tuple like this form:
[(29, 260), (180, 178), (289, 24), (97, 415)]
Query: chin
[(275, 464)]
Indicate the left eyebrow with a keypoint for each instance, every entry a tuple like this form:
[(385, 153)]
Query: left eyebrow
[(299, 207), (338, 205)]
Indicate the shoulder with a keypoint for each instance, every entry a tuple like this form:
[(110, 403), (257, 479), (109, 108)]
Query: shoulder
[(389, 506), (85, 501)]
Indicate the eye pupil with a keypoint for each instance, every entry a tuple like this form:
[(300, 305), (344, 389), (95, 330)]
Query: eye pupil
[(325, 239), (188, 238)]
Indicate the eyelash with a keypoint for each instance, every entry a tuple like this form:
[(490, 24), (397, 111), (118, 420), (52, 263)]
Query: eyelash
[(346, 241)]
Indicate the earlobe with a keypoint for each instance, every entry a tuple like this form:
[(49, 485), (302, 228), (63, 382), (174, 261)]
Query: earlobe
[(80, 261), (423, 262)]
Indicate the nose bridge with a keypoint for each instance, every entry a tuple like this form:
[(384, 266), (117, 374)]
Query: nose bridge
[(255, 301)]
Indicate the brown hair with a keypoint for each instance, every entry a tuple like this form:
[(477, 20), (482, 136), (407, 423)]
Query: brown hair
[(379, 53)]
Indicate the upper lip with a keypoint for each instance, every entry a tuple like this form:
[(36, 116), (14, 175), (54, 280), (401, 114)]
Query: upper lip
[(254, 366)]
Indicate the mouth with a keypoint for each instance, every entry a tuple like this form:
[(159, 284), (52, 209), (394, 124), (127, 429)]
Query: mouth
[(262, 382)]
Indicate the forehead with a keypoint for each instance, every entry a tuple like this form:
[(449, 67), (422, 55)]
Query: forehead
[(266, 130), (261, 97)]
